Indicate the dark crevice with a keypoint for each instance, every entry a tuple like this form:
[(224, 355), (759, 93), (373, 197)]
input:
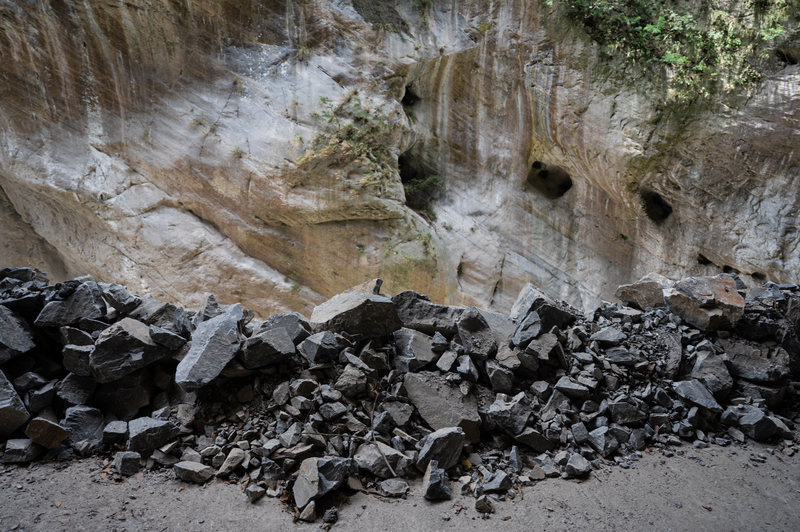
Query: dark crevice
[(409, 97), (550, 181), (703, 260), (655, 206), (786, 56), (759, 277), (410, 168)]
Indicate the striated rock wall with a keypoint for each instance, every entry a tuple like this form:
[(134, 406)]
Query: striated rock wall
[(250, 149)]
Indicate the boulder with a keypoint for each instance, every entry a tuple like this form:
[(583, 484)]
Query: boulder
[(75, 390), (234, 459), (417, 312), (115, 432), (356, 314), (166, 338), (695, 392), (214, 343), (39, 399), (603, 441), (577, 466), (295, 325), (267, 348), (119, 298), (511, 414), (759, 364), (552, 313), (77, 358), (442, 405), (46, 433), (710, 369), (21, 450), (193, 472), (608, 337), (352, 382), (123, 348), (528, 329), (12, 410), (320, 348), (146, 434), (151, 311), (443, 446), (370, 457), (414, 350), (86, 302), (708, 303), (84, 424), (319, 476), (476, 335), (647, 292), (15, 336), (435, 483)]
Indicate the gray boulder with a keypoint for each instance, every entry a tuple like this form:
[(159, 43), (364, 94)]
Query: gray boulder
[(75, 390), (443, 446), (414, 350), (15, 336), (84, 424), (708, 303), (76, 359), (476, 335), (511, 414), (12, 410), (370, 457), (417, 312), (647, 292), (119, 298), (710, 369), (442, 405), (319, 476), (21, 450), (267, 348), (295, 325), (123, 348), (127, 463), (695, 392), (86, 302), (214, 343), (320, 348), (46, 433), (435, 484), (146, 434), (193, 472), (356, 314)]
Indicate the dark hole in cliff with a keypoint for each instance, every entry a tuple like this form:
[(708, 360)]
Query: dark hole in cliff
[(729, 269), (656, 208), (702, 259), (759, 277), (409, 98), (419, 184), (550, 181), (786, 56)]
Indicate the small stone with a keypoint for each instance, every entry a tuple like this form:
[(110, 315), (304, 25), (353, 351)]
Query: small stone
[(330, 516), (127, 463), (46, 433), (115, 432), (332, 411), (497, 482), (577, 466), (484, 505), (254, 492), (352, 382), (394, 487), (309, 513), (234, 460)]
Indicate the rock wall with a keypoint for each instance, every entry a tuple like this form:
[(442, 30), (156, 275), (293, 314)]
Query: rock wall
[(250, 149)]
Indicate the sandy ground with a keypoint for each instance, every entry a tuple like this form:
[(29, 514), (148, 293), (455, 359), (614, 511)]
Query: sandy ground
[(730, 492)]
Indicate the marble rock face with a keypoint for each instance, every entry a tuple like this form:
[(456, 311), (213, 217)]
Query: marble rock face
[(178, 153)]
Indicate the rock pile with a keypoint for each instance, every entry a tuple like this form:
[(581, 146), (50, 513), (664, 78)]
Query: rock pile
[(374, 389)]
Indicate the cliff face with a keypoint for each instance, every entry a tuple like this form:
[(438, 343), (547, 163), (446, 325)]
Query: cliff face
[(251, 149)]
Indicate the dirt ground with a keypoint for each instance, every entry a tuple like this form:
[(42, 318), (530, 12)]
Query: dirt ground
[(708, 489)]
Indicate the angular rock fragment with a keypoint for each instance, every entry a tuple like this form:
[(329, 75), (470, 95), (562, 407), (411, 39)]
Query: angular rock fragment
[(151, 311), (319, 476), (373, 457), (552, 313), (757, 425), (417, 312), (267, 348), (572, 389), (511, 414), (467, 369), (46, 433), (695, 392), (146, 434), (414, 350), (295, 325), (75, 390), (621, 357), (442, 446), (214, 343), (234, 459), (476, 336), (352, 382), (127, 463), (394, 487), (119, 298), (84, 424), (123, 348), (21, 450), (535, 440), (39, 399), (12, 410), (528, 329), (625, 413), (115, 432), (166, 338), (193, 472), (85, 303), (254, 492), (603, 441), (608, 337), (710, 369), (708, 303), (501, 378), (77, 359), (547, 350), (357, 314), (15, 336), (754, 364), (442, 405), (647, 292), (320, 348), (577, 466)]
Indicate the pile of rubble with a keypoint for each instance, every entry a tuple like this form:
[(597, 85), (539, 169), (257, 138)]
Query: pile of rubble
[(372, 389)]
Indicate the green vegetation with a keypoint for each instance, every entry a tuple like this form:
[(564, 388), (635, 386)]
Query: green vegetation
[(237, 152), (419, 192), (352, 132), (703, 46)]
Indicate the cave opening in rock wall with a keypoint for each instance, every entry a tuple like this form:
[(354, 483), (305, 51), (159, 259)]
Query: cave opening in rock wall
[(409, 97), (786, 56), (656, 208), (551, 181), (419, 184)]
